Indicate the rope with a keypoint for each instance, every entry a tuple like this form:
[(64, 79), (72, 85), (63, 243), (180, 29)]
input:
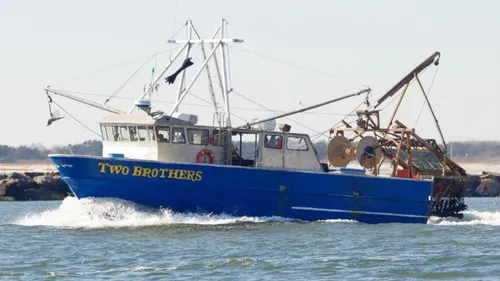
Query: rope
[(124, 83), (99, 135), (158, 40), (297, 66), (202, 105), (173, 26), (303, 68), (232, 114), (260, 56), (401, 92), (117, 66), (428, 94)]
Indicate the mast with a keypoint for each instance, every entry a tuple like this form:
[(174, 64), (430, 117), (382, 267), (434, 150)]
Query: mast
[(222, 70), (225, 75), (218, 40), (210, 82)]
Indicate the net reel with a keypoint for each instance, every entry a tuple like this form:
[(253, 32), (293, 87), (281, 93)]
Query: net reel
[(367, 152)]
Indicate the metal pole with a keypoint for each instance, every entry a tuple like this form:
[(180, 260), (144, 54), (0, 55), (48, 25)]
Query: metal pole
[(183, 74), (241, 149), (210, 82), (399, 103), (433, 115), (224, 75), (304, 109), (184, 93), (84, 101)]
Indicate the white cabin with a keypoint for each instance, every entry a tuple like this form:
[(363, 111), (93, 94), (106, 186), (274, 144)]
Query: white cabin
[(142, 136)]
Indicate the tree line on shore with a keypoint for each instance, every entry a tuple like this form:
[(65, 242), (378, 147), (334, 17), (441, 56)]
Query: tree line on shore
[(39, 153), (483, 151)]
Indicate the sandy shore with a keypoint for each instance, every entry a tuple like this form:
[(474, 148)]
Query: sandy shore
[(471, 168), (27, 167)]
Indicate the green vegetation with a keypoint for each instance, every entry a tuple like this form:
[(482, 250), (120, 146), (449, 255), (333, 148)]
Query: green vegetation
[(38, 153), (483, 151)]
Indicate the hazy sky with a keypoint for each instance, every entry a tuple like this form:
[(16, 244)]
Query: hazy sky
[(372, 43)]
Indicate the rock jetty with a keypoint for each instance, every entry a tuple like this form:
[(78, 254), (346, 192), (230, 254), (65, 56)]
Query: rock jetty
[(489, 185), (32, 186)]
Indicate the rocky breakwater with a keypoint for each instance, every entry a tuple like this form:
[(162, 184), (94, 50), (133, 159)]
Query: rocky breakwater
[(488, 185), (32, 186)]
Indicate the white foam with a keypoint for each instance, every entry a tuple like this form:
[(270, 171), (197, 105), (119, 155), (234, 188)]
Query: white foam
[(102, 213), (339, 221), (471, 218)]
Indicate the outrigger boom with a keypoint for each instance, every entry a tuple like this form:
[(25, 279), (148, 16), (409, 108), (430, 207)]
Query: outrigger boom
[(248, 125)]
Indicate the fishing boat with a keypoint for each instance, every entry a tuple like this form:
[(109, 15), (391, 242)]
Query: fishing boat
[(168, 160)]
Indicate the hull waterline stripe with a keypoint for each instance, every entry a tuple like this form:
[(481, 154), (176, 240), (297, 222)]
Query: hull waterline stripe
[(357, 212)]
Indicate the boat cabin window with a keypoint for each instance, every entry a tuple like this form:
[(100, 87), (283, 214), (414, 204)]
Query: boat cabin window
[(163, 133), (143, 133), (197, 136), (133, 133), (296, 143), (178, 135), (103, 133), (124, 133), (116, 134), (151, 133), (112, 133), (109, 132), (217, 138), (273, 141)]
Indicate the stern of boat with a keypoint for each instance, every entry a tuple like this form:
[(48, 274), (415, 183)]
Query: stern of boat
[(448, 198)]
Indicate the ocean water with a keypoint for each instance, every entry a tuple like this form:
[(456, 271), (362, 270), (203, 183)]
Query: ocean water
[(115, 240)]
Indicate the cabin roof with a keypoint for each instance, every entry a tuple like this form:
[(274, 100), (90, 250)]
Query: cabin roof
[(142, 118)]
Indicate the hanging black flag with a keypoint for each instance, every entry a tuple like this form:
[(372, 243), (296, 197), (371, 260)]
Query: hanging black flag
[(171, 79)]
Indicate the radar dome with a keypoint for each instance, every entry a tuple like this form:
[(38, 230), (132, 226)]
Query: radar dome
[(269, 125), (265, 126)]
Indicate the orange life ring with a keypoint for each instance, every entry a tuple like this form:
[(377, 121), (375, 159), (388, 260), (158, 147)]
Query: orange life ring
[(202, 154)]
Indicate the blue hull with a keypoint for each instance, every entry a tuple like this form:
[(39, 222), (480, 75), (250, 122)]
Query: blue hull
[(242, 191)]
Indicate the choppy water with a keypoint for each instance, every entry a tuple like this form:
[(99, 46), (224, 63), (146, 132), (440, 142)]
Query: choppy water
[(115, 240)]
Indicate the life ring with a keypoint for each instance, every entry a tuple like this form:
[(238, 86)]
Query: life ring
[(202, 153)]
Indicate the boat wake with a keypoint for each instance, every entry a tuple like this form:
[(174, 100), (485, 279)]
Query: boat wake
[(110, 212), (470, 218)]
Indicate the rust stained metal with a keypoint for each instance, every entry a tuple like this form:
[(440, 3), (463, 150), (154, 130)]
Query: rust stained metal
[(434, 58)]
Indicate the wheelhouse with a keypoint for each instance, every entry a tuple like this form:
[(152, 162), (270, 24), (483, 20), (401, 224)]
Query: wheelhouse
[(141, 136)]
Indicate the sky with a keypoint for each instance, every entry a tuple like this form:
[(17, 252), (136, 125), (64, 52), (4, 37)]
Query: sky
[(294, 52)]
